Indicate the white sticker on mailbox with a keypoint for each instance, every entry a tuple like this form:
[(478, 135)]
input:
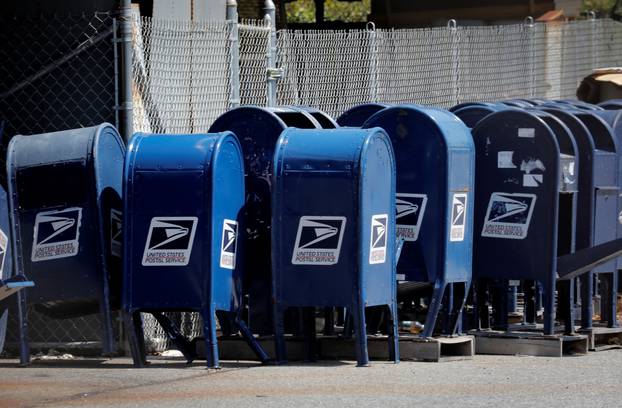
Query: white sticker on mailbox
[(318, 240), (508, 215), (169, 241), (409, 209), (378, 239), (56, 234), (4, 241), (505, 160), (458, 217), (228, 245)]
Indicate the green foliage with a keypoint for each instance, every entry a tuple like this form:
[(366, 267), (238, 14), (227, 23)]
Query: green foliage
[(303, 11), (601, 6)]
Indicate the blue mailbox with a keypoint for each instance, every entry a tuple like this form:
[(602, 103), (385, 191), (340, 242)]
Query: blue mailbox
[(605, 195), (525, 188), (183, 199), (258, 130), (65, 200), (337, 251), (357, 115), (435, 169)]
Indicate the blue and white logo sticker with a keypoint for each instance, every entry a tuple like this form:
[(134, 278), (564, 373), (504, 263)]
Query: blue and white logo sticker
[(458, 217), (378, 239), (56, 234), (169, 241), (508, 215), (228, 244), (409, 211), (318, 240)]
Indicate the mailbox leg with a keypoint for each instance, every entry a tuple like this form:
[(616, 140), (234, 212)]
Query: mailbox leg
[(394, 342), (309, 333), (434, 308), (348, 329), (481, 304), (587, 308), (108, 347), (609, 298), (358, 314), (24, 347), (529, 291), (252, 341), (566, 304), (329, 321), (279, 335), (548, 303), (175, 335), (211, 342), (460, 299), (135, 337)]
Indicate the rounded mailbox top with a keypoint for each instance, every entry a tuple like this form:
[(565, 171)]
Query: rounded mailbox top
[(357, 115), (472, 114), (176, 152), (612, 104), (402, 121), (340, 149), (64, 145)]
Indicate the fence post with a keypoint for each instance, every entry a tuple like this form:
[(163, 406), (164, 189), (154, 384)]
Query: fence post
[(371, 30), (453, 32), (234, 53), (529, 26), (592, 16), (126, 119), (273, 74)]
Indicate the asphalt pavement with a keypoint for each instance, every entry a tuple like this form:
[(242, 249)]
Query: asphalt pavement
[(515, 381)]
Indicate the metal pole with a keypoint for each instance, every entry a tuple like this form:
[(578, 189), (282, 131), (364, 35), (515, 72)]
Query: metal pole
[(371, 30), (234, 54), (452, 26), (272, 74), (126, 109), (529, 25)]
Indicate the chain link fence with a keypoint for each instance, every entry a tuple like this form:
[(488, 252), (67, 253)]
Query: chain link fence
[(56, 73)]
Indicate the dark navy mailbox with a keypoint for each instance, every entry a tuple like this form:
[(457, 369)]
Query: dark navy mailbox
[(525, 182), (258, 130), (65, 199), (9, 283), (435, 170), (604, 212), (333, 226), (471, 114), (357, 115), (183, 198)]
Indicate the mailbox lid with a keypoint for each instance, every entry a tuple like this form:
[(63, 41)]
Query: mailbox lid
[(317, 189), (61, 197), (170, 196), (516, 197)]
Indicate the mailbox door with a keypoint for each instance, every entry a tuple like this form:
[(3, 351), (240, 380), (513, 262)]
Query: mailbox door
[(377, 220), (57, 231), (227, 195)]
